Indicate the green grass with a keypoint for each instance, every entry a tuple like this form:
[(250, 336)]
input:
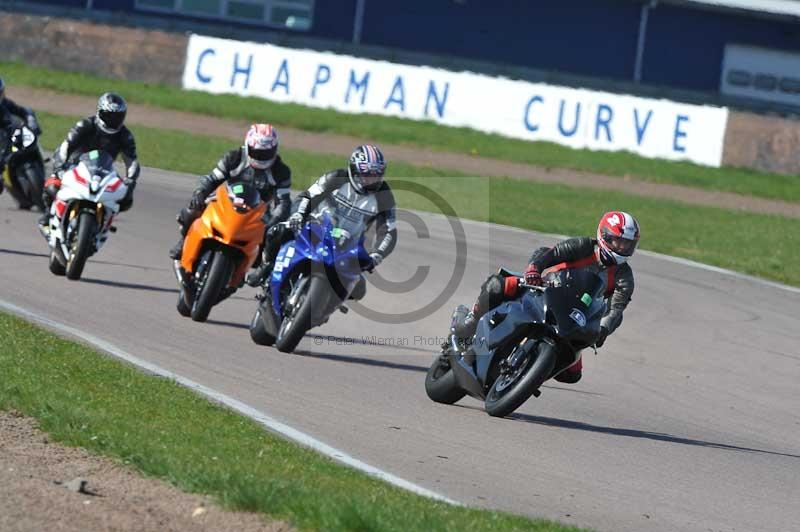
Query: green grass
[(85, 399), (762, 245), (426, 134)]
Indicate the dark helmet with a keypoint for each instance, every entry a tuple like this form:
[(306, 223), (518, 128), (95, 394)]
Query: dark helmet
[(2, 90), (366, 169), (111, 111)]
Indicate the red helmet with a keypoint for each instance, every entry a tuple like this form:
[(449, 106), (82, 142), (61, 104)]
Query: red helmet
[(617, 237), (262, 145)]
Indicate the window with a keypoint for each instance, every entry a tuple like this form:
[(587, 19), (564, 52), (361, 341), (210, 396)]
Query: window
[(291, 14), (158, 4), (201, 7)]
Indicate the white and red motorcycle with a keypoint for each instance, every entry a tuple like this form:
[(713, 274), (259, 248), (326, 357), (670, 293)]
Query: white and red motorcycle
[(82, 212)]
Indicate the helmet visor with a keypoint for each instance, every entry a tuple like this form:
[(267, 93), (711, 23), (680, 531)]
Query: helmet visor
[(112, 119), (370, 182), (262, 155), (619, 245)]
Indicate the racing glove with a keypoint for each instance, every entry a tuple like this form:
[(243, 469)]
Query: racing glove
[(295, 221), (376, 257), (532, 276), (601, 337), (198, 202)]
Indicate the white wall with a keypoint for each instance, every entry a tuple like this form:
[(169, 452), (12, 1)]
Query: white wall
[(531, 111)]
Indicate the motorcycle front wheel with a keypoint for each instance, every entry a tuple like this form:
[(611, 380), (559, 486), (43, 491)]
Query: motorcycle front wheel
[(216, 277), (514, 386), (298, 320), (81, 244)]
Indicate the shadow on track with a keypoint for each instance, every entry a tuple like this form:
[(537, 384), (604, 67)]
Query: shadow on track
[(131, 286), (24, 253), (152, 288), (229, 323), (93, 261), (634, 433), (363, 361)]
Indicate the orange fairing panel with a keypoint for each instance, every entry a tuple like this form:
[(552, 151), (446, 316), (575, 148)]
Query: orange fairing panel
[(222, 222)]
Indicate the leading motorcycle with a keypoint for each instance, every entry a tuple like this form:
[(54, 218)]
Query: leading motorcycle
[(82, 213), (24, 171), (522, 343)]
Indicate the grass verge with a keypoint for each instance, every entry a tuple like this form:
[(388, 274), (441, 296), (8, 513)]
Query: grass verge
[(766, 246), (426, 134), (85, 399)]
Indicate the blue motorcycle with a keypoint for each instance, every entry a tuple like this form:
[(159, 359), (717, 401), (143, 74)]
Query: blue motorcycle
[(312, 276)]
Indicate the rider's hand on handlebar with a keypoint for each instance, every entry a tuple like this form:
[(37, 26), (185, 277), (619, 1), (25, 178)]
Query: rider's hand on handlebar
[(532, 276), (601, 338), (377, 258), (295, 221), (197, 203)]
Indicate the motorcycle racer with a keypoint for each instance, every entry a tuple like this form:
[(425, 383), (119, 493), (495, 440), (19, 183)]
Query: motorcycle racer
[(607, 255), (258, 162), (105, 131), (8, 110), (356, 197)]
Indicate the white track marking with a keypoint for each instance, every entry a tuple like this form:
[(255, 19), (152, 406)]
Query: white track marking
[(248, 411)]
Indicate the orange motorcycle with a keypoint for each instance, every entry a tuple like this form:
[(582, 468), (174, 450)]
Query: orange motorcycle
[(219, 248)]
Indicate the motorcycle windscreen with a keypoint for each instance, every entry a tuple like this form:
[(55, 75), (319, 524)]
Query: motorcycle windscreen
[(243, 195), (97, 163), (575, 300)]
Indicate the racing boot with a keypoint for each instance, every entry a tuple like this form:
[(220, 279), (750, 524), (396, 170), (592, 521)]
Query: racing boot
[(463, 324), (572, 374), (177, 250), (259, 275)]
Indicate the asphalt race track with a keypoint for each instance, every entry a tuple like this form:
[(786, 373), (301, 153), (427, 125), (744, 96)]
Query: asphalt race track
[(688, 419)]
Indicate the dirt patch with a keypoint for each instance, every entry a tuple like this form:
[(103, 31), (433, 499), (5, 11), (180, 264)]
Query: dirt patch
[(342, 145), (41, 488)]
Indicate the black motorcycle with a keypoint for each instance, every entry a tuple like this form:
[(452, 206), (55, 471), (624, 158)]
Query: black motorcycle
[(520, 344), (24, 172)]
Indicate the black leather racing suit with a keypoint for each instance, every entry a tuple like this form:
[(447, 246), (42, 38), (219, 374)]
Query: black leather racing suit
[(355, 212), (579, 252), (273, 183), (575, 249), (86, 136), (9, 110)]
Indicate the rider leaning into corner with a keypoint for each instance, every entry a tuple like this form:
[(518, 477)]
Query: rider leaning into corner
[(256, 162), (355, 197), (104, 131), (607, 255), (8, 110)]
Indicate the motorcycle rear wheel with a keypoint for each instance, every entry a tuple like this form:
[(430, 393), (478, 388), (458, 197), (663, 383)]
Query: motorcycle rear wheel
[(502, 402), (181, 306), (258, 332), (441, 385), (56, 268), (217, 277), (35, 176), (314, 298)]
